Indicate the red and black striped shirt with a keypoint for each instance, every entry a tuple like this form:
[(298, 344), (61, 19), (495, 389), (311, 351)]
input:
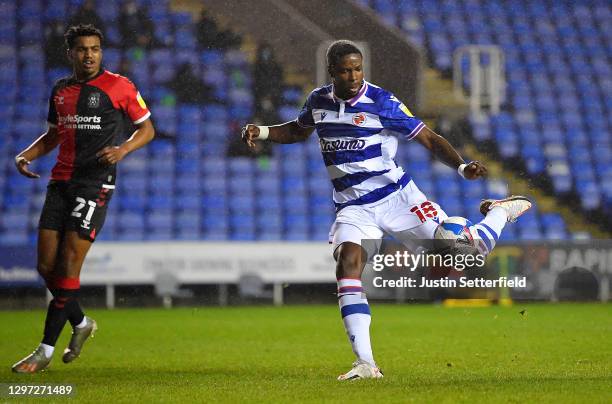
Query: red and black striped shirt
[(89, 116)]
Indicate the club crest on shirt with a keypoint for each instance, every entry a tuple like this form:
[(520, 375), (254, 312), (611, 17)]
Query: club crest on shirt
[(59, 100), (93, 101), (359, 119)]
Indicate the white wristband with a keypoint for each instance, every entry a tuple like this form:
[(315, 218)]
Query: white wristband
[(460, 170), (264, 131), (19, 159)]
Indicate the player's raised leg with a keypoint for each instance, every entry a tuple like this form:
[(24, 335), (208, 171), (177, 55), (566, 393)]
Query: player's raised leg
[(497, 213)]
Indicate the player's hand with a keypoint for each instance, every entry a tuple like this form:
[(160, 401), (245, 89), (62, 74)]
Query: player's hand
[(249, 133), (22, 166), (111, 155), (474, 170)]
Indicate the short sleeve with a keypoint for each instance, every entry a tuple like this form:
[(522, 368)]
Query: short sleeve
[(305, 118), (52, 115), (134, 105), (396, 117)]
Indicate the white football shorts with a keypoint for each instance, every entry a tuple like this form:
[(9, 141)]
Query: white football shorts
[(407, 216)]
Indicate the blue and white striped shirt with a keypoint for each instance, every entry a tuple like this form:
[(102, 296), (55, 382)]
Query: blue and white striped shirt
[(358, 141)]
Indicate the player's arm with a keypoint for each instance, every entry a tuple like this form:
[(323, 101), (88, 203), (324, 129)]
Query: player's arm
[(144, 133), (41, 146), (446, 153), (288, 132)]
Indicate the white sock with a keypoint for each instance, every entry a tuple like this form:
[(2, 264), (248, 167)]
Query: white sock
[(496, 219), (48, 350), (356, 317), (487, 231), (82, 324)]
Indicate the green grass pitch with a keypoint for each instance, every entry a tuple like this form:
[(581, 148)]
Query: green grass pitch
[(551, 353)]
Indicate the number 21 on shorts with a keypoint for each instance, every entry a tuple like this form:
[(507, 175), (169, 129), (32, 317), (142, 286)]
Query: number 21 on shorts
[(76, 212), (424, 211)]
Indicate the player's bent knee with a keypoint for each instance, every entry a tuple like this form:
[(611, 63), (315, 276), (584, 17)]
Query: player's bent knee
[(349, 261)]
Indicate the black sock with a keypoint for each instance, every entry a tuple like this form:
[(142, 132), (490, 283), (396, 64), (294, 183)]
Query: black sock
[(73, 310), (56, 316)]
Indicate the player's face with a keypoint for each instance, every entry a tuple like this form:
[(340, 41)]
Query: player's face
[(347, 76), (86, 56)]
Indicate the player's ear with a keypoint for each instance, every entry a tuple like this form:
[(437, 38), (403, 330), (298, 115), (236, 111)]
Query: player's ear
[(69, 55), (330, 70)]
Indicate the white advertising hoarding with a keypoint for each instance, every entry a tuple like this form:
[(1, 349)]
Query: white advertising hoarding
[(208, 262)]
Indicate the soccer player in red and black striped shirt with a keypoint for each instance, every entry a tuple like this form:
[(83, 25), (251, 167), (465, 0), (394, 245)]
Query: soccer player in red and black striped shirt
[(85, 119)]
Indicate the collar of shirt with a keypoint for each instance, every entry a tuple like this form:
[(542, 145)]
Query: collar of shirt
[(352, 101)]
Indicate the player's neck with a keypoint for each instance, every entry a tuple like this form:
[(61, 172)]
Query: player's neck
[(84, 76)]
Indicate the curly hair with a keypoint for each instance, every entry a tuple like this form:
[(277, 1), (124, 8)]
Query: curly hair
[(81, 30)]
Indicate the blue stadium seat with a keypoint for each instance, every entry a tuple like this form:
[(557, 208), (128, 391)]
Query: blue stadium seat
[(448, 186), (160, 202), (241, 186), (185, 39), (242, 204), (214, 166), (217, 218), (14, 238), (161, 184), (189, 201), (321, 220), (293, 185), (188, 148), (268, 202), (13, 221), (297, 234), (159, 220), (215, 130), (213, 148), (242, 222), (271, 221), (130, 221), (163, 73), (267, 185), (215, 112), (187, 165), (270, 235), (296, 222), (131, 235), (295, 203)]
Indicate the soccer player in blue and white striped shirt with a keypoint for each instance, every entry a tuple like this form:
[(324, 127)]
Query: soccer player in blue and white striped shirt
[(358, 124)]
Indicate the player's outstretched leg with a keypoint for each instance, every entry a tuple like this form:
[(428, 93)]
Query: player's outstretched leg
[(37, 361), (355, 312), (48, 245), (497, 213), (54, 323)]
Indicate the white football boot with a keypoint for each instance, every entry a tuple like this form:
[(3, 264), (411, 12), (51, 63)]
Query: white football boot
[(362, 370), (514, 206)]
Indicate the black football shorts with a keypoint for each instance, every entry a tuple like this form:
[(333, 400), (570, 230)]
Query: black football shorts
[(76, 207)]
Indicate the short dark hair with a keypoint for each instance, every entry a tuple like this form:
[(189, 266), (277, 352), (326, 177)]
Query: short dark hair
[(339, 49), (81, 30)]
